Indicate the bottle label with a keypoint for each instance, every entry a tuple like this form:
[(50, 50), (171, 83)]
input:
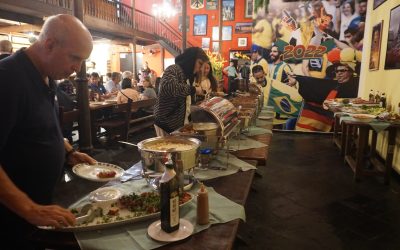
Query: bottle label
[(174, 211)]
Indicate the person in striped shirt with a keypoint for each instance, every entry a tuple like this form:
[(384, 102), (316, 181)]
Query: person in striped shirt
[(172, 107)]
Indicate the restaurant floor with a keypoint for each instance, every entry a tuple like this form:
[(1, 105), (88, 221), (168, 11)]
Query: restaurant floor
[(305, 198)]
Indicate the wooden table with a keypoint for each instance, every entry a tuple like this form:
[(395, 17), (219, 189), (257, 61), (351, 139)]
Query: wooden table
[(357, 136), (220, 236), (258, 154)]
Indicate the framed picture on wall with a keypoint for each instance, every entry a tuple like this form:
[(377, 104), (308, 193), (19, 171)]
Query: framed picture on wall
[(211, 4), (377, 3), (243, 28), (187, 23), (375, 46), (215, 47), (215, 33), (205, 43), (226, 33), (197, 4), (228, 10), (248, 9), (242, 42), (392, 60), (200, 25)]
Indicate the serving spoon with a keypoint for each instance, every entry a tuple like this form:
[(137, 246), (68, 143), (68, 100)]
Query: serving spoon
[(128, 143)]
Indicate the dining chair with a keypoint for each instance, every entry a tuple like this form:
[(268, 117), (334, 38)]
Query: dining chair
[(117, 123)]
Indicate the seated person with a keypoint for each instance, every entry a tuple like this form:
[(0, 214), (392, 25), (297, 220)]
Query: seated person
[(67, 104), (127, 92), (148, 93), (97, 87)]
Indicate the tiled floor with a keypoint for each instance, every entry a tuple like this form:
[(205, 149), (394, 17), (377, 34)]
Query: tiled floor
[(305, 199)]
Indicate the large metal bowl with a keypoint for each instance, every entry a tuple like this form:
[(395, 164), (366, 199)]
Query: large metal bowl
[(153, 159)]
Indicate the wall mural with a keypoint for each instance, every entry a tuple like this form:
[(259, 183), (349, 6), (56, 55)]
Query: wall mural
[(308, 50), (393, 45)]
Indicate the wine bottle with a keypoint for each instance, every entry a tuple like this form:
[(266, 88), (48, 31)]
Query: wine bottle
[(371, 96), (382, 102), (169, 192)]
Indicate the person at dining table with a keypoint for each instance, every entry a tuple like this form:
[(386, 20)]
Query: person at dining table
[(32, 148), (172, 107), (127, 92), (97, 87)]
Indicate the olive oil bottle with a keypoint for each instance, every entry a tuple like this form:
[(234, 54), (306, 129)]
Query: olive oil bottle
[(169, 192)]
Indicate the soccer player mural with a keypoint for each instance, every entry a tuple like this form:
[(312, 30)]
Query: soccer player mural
[(314, 48)]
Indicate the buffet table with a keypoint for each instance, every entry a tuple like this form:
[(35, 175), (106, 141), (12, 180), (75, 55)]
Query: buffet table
[(234, 187)]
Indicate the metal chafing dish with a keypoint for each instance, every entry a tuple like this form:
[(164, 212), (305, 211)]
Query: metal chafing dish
[(183, 152), (248, 108), (213, 122)]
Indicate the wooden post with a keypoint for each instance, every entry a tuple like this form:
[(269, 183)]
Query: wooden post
[(220, 27), (184, 24), (85, 138), (162, 58), (133, 48)]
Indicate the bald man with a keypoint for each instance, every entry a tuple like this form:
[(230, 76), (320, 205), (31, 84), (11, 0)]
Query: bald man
[(32, 149), (5, 48)]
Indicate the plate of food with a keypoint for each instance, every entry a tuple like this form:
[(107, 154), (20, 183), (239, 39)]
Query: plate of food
[(363, 117), (100, 171), (126, 209)]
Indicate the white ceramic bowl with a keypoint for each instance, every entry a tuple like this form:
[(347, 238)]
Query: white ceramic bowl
[(105, 195)]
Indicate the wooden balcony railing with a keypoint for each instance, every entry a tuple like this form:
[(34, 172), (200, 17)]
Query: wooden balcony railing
[(110, 10), (67, 4), (122, 15)]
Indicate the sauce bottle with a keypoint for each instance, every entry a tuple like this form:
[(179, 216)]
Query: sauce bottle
[(202, 206), (169, 192)]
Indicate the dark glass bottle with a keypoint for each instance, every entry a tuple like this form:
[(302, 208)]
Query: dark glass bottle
[(169, 192), (383, 101)]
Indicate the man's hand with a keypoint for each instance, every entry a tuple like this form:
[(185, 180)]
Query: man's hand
[(78, 157), (52, 215)]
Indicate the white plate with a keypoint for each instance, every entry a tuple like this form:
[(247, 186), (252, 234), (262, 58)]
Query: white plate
[(105, 194), (363, 117), (184, 231), (90, 172)]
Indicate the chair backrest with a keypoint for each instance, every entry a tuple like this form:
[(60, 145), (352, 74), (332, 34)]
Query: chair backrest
[(144, 103), (123, 110), (67, 117)]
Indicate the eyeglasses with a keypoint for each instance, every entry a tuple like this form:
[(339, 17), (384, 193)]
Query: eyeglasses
[(341, 70)]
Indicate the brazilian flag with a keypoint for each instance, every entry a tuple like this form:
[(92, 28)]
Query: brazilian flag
[(285, 99)]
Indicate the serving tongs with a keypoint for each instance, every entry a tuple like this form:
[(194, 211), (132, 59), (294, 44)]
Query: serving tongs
[(87, 214)]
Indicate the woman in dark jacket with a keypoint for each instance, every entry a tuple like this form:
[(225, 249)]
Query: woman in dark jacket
[(170, 110)]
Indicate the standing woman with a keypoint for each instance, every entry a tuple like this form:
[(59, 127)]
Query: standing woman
[(206, 82), (173, 103)]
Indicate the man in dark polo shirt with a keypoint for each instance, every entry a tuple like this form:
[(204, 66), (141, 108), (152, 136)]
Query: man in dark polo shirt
[(32, 149)]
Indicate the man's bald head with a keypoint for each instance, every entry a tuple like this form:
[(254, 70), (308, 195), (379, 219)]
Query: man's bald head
[(62, 28), (63, 44), (5, 47)]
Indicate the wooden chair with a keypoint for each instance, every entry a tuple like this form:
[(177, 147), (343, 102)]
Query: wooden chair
[(139, 119), (117, 124), (68, 122)]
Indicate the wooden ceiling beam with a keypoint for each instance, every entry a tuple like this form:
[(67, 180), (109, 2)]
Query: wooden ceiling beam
[(20, 28)]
